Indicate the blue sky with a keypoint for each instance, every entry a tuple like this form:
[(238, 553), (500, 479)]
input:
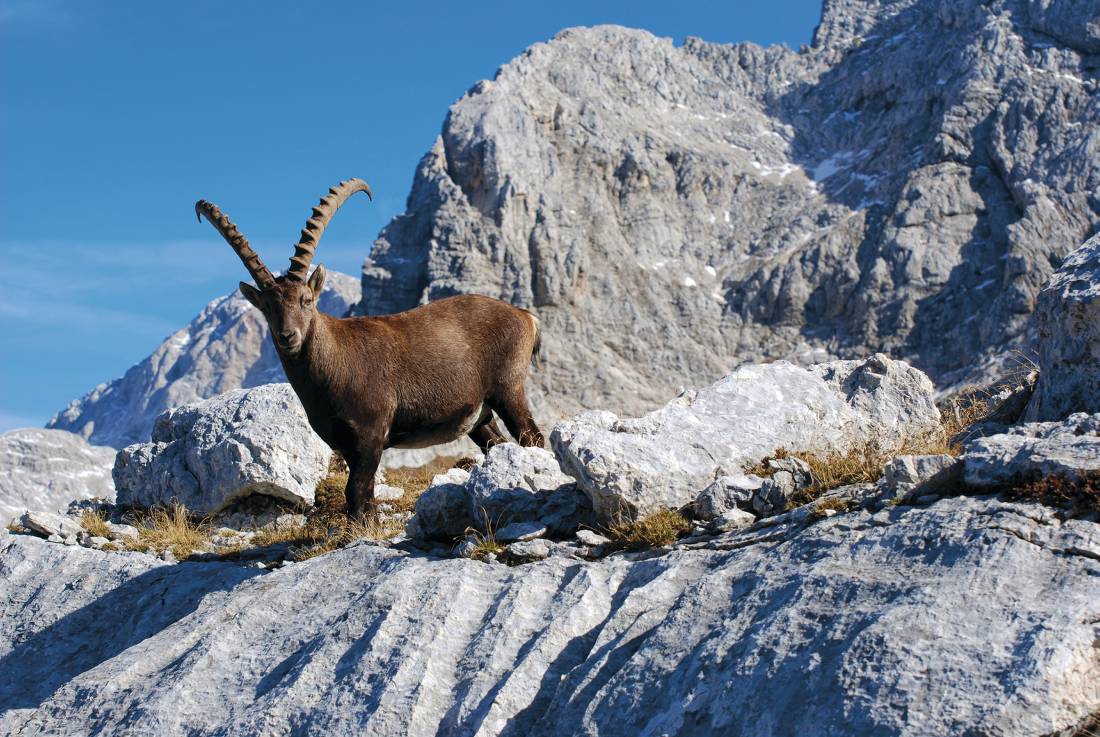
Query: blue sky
[(116, 116)]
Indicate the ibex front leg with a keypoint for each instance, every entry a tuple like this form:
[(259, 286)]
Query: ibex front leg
[(360, 489)]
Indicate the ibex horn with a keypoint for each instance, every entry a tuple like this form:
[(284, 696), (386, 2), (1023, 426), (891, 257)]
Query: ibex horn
[(315, 226), (236, 241)]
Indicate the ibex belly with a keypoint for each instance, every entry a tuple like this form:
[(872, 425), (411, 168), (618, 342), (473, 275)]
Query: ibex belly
[(429, 434)]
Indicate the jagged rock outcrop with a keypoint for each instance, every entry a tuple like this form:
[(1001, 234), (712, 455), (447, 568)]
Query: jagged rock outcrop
[(1034, 450), (205, 455), (905, 184), (665, 459), (47, 469), (847, 626), (225, 347), (1068, 324)]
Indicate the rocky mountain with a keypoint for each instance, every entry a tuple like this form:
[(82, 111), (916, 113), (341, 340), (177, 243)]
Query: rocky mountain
[(904, 184), (225, 347)]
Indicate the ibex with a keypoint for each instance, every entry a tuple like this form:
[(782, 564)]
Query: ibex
[(409, 380)]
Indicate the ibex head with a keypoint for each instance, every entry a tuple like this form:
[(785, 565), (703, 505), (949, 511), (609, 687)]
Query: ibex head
[(289, 302)]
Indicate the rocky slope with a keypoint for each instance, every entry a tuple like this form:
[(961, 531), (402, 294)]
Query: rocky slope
[(905, 184), (48, 469), (225, 347), (970, 616)]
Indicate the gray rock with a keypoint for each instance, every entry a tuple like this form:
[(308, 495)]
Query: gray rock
[(529, 550), (48, 469), (589, 537), (1067, 317), (122, 532), (991, 606), (513, 485), (668, 457), (205, 455), (386, 493), (97, 542), (225, 347), (49, 523), (1034, 450), (912, 475), (732, 520), (442, 511), (519, 531), (673, 210), (774, 494), (726, 493)]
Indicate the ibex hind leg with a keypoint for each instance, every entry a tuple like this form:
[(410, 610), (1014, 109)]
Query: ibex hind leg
[(513, 409), (487, 434)]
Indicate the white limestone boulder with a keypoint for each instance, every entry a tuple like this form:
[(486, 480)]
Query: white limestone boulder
[(666, 458), (45, 470), (204, 455)]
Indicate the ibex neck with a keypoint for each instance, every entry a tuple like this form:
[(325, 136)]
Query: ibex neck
[(304, 368)]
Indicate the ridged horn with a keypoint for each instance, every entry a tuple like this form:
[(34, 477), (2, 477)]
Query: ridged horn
[(318, 221), (236, 241)]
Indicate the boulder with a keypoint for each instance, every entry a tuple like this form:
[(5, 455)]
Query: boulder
[(514, 487), (911, 476), (726, 493), (48, 469), (1034, 450), (205, 455), (666, 458), (1067, 319), (49, 523)]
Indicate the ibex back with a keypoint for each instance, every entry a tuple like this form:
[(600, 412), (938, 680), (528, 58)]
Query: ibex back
[(410, 380)]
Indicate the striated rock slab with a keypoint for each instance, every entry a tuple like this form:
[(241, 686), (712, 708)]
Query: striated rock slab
[(46, 469), (850, 625), (1067, 317), (225, 347), (666, 458), (205, 455), (1034, 450)]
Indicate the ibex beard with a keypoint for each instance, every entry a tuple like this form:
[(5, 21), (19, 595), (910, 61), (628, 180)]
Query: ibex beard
[(410, 380)]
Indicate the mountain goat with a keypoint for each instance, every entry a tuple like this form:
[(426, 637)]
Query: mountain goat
[(409, 380)]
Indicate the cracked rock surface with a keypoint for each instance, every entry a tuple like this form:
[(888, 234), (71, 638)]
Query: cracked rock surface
[(967, 616), (46, 469)]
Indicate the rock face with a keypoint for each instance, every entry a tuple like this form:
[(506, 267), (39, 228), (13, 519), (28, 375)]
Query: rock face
[(671, 212), (225, 347), (851, 622), (1034, 450), (247, 441), (666, 458), (516, 488), (47, 469), (1068, 320)]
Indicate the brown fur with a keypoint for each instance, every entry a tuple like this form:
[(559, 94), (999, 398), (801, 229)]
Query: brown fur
[(416, 378)]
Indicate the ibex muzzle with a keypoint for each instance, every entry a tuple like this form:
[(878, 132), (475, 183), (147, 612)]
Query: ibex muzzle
[(417, 378)]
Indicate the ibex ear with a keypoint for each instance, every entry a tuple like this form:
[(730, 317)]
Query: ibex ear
[(251, 294), (317, 280)]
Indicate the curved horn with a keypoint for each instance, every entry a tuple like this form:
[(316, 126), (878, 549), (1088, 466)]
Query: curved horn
[(236, 241), (315, 226)]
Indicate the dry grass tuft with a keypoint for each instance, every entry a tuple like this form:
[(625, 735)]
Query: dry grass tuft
[(652, 531), (15, 527), (1077, 496), (95, 523), (762, 469), (170, 529)]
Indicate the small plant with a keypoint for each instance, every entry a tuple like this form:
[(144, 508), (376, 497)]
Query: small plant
[(655, 530), (1077, 496), (762, 468), (95, 523)]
